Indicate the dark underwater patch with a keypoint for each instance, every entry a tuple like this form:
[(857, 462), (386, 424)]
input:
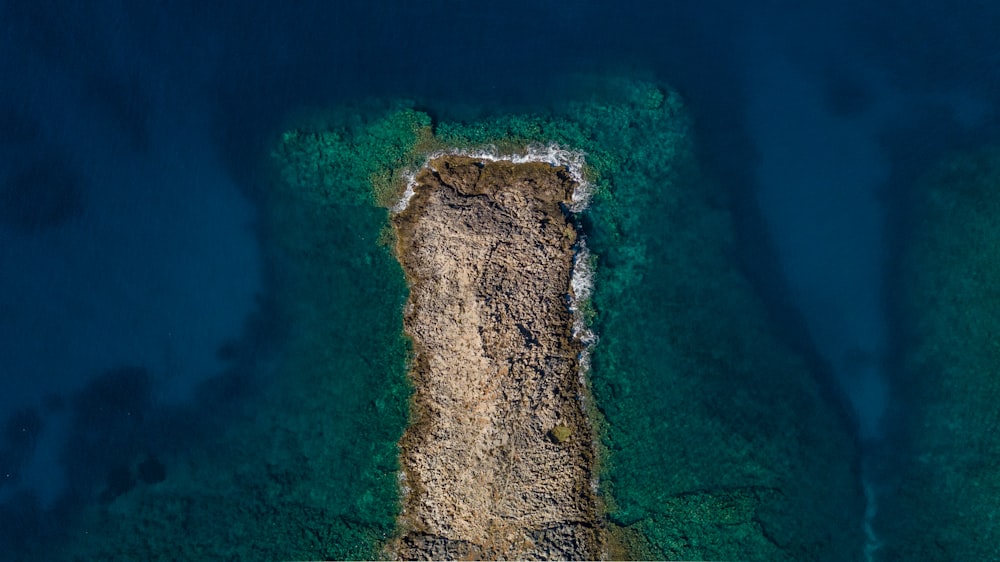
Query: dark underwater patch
[(846, 94), (16, 127), (22, 430), (125, 102), (151, 470), (43, 195)]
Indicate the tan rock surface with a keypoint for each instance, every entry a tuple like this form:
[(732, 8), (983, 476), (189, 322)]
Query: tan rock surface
[(499, 460)]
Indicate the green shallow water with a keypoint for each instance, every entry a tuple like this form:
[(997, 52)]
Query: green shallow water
[(719, 443), (716, 439), (943, 474), (305, 468)]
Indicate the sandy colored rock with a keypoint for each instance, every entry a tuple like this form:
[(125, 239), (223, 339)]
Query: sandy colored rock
[(488, 251)]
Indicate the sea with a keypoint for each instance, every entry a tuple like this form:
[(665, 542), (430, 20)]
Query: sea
[(195, 364)]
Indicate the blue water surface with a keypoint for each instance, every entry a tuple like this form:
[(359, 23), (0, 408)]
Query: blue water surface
[(133, 292)]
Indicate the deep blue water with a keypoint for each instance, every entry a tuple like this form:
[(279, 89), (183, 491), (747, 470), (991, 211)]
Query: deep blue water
[(131, 135)]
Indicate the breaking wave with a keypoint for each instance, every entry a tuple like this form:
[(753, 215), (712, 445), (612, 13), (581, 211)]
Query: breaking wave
[(552, 154)]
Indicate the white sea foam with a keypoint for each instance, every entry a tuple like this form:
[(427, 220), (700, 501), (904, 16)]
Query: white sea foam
[(408, 193), (872, 542), (581, 286), (552, 154), (582, 278), (582, 275)]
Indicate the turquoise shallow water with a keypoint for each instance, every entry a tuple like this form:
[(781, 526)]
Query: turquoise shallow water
[(716, 439), (714, 432), (304, 466)]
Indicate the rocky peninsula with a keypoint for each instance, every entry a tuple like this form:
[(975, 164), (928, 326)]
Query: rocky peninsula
[(498, 462)]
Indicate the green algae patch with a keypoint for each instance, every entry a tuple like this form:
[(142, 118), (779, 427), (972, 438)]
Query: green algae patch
[(560, 433), (945, 487)]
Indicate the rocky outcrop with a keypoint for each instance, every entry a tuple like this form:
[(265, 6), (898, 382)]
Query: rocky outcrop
[(498, 462)]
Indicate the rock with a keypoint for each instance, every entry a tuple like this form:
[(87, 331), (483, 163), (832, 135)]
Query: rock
[(493, 473)]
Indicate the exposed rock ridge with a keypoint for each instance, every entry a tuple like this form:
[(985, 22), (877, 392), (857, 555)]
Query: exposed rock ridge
[(499, 460)]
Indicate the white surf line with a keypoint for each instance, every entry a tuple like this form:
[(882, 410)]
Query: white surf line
[(552, 154), (872, 542), (582, 275)]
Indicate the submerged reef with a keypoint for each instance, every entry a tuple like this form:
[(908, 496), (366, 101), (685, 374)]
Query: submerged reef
[(717, 441), (296, 458), (720, 441), (941, 496), (709, 437)]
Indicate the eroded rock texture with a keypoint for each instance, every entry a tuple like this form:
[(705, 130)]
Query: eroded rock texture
[(499, 459)]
